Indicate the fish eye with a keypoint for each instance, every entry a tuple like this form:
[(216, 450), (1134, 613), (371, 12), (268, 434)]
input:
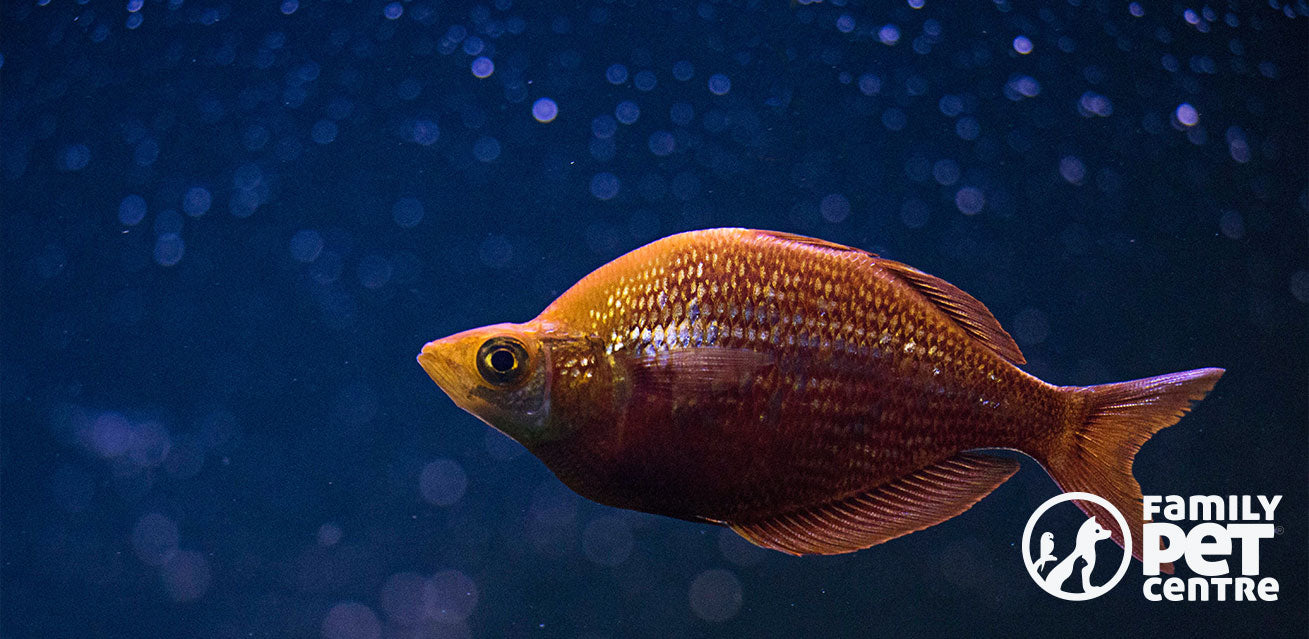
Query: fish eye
[(502, 361)]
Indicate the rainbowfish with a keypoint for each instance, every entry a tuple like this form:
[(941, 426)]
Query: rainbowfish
[(814, 397)]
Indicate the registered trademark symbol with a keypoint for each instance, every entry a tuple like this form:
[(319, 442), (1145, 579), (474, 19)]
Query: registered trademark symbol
[(1278, 530)]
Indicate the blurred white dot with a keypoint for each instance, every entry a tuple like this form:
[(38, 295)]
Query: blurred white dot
[(645, 81), (834, 207), (1232, 225), (154, 539), (627, 112), (845, 23), (1072, 169), (196, 202), (393, 10), (1187, 115), (424, 132), (169, 249), (306, 245), (329, 534), (715, 595), (945, 172), (289, 6), (889, 35), (544, 110), (604, 185), (186, 576), (131, 210), (248, 176), (442, 482), (1022, 45), (483, 67), (407, 212), (244, 203), (73, 157), (662, 143), (351, 620), (683, 70), (869, 84), (969, 200), (1300, 285), (616, 74), (1136, 9), (950, 105), (1030, 327), (916, 4), (324, 132), (450, 596), (719, 84), (474, 45), (486, 149), (1092, 104), (607, 540)]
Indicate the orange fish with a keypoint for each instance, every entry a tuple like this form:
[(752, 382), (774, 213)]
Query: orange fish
[(816, 398)]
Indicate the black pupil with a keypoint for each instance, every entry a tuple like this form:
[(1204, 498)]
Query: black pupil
[(502, 360)]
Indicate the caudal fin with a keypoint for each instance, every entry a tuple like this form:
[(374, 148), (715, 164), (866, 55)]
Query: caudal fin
[(1094, 453)]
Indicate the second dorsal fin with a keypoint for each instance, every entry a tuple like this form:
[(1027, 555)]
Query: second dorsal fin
[(964, 309)]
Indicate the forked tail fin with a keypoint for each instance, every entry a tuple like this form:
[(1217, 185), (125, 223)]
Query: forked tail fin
[(1094, 452)]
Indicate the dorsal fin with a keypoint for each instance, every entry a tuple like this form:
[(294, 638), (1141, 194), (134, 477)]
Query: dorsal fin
[(914, 502), (964, 309), (812, 241)]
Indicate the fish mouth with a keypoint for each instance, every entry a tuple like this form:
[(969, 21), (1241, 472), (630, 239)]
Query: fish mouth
[(438, 367)]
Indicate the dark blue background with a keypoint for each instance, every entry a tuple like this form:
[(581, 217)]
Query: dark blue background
[(214, 288)]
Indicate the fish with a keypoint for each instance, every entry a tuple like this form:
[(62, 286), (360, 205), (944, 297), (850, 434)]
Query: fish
[(815, 398)]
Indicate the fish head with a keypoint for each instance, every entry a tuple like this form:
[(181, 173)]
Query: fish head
[(500, 374)]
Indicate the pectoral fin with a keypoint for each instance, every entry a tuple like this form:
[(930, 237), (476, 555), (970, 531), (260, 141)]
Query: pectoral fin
[(696, 371), (914, 502)]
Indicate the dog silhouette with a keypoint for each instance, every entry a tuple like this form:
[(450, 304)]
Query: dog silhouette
[(1088, 536)]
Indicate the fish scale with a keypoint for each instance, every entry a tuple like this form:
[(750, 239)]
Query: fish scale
[(814, 397)]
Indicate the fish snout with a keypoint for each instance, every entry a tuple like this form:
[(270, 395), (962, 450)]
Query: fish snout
[(437, 364)]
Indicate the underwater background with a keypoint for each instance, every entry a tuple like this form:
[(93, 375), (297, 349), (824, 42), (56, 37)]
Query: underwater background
[(228, 228)]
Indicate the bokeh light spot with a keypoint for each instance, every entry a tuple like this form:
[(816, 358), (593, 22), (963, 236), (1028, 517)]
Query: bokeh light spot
[(442, 482), (544, 110), (715, 595)]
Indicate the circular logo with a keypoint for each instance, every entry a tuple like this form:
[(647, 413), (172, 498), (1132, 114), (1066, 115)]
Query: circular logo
[(1055, 570)]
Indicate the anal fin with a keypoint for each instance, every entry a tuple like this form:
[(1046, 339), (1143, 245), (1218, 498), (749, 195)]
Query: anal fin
[(924, 498)]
